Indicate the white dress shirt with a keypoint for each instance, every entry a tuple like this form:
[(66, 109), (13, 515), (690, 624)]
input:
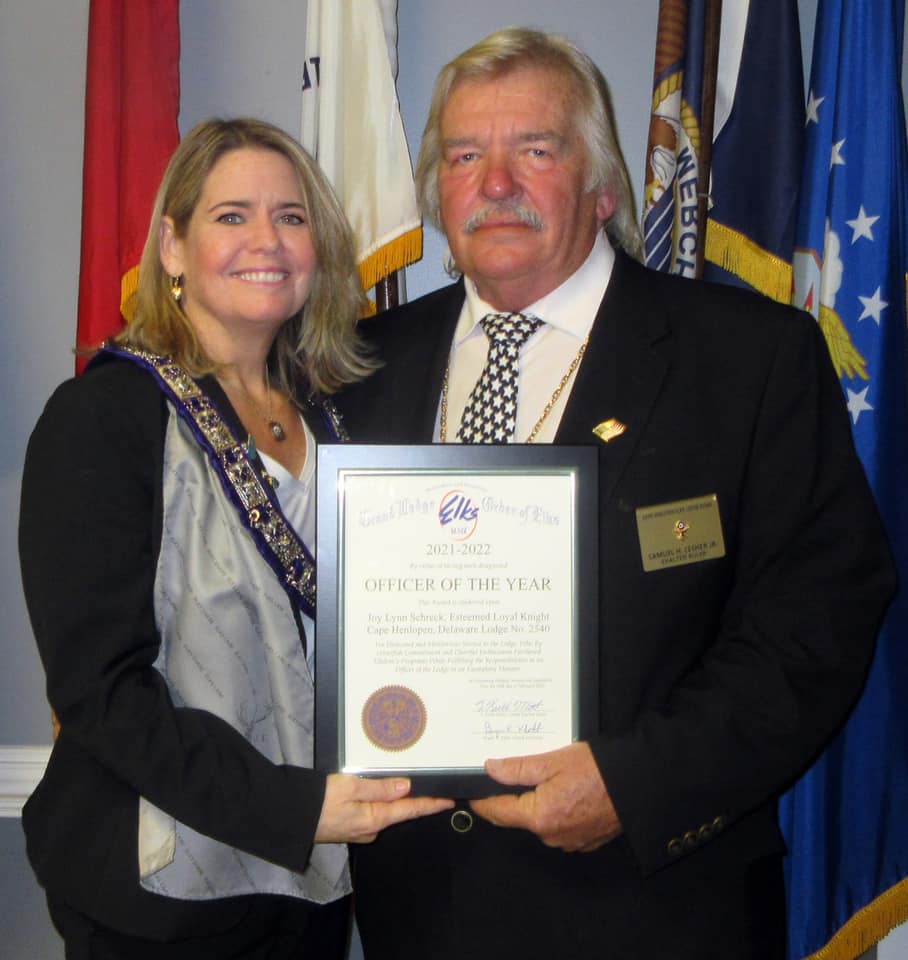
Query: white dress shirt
[(567, 313)]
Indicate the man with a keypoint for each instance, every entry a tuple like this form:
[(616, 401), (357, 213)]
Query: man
[(720, 679)]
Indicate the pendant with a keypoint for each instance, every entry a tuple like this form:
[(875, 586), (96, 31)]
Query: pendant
[(277, 431)]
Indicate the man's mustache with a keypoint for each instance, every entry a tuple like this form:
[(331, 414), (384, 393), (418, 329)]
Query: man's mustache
[(516, 211)]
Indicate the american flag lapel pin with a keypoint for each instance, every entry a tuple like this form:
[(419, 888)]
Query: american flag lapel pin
[(609, 429)]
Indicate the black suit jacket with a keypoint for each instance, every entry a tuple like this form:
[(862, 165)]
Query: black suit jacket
[(719, 680)]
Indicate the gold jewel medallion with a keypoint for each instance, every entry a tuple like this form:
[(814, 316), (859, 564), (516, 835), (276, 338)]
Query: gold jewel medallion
[(394, 718)]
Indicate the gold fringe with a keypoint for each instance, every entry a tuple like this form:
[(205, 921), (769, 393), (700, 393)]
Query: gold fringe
[(734, 252), (128, 287), (395, 255), (868, 926)]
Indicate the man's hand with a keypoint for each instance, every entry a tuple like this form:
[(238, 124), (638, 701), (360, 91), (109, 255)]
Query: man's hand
[(355, 809), (569, 808)]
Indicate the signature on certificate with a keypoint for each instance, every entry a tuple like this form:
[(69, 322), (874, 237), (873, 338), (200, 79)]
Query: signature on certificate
[(509, 717)]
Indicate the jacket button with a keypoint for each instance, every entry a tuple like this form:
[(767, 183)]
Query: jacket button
[(675, 846), (690, 840), (461, 821)]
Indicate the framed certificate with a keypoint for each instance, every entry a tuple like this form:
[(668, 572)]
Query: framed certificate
[(457, 608)]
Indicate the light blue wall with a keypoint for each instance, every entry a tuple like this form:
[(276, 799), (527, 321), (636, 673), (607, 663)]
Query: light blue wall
[(42, 91), (238, 57)]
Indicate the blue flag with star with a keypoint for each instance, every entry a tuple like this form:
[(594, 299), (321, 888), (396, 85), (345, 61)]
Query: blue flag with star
[(846, 821)]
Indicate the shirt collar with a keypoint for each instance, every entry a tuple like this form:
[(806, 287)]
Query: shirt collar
[(571, 307)]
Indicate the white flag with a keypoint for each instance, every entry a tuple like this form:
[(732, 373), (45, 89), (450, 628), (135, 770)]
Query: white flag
[(351, 124)]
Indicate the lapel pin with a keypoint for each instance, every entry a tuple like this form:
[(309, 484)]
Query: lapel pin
[(609, 429)]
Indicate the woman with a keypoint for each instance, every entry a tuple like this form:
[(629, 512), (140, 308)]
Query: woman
[(165, 536)]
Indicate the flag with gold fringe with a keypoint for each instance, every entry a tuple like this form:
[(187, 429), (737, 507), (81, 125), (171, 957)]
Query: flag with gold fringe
[(750, 103), (845, 821), (351, 124), (757, 147), (132, 101)]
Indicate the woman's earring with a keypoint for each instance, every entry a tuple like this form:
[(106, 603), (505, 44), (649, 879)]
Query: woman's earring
[(176, 288)]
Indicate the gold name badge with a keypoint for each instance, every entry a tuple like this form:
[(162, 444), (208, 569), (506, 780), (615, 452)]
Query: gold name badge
[(687, 531)]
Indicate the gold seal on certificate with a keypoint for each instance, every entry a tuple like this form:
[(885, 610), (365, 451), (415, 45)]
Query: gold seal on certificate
[(457, 584), (394, 718)]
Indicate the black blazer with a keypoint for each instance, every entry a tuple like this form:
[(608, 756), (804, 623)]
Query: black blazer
[(719, 680), (89, 537)]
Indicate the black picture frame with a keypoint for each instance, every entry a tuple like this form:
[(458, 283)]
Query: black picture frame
[(335, 462)]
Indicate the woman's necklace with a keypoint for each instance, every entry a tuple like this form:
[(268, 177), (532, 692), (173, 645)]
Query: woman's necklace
[(275, 426), (443, 429)]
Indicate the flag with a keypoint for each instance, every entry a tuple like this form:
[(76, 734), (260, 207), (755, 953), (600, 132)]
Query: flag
[(755, 158), (671, 234), (845, 822), (757, 147), (132, 100), (351, 124)]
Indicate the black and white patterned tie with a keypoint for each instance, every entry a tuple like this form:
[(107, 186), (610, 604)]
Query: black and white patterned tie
[(491, 411)]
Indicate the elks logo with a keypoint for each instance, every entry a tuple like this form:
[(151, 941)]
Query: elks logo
[(458, 514)]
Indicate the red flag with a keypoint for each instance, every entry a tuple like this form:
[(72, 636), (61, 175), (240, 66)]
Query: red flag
[(132, 100)]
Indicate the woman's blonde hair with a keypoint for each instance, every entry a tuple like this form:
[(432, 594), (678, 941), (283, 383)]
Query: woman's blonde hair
[(517, 48), (317, 346)]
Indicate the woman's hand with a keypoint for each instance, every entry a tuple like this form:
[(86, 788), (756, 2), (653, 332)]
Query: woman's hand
[(356, 809)]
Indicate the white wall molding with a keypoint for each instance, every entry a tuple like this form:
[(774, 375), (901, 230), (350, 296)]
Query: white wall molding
[(20, 770)]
